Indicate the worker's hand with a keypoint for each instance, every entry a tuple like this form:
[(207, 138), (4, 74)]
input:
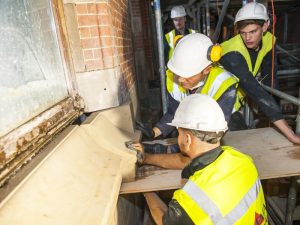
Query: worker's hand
[(140, 158), (135, 145), (146, 130), (283, 126), (138, 148), (294, 138)]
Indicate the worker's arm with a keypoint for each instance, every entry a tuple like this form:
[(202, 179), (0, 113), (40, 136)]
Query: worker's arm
[(287, 131), (161, 214), (266, 69), (161, 125), (157, 207), (176, 215), (236, 64), (226, 102), (168, 161)]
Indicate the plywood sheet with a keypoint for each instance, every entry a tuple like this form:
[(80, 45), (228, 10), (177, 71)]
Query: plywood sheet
[(272, 153), (256, 139), (77, 183), (157, 180)]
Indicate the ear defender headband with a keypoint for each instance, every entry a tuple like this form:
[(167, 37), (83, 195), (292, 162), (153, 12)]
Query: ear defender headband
[(214, 53)]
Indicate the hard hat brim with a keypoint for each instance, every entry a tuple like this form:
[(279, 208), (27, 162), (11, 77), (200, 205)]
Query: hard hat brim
[(177, 125)]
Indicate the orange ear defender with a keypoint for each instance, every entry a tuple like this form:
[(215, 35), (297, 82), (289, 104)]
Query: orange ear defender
[(214, 53)]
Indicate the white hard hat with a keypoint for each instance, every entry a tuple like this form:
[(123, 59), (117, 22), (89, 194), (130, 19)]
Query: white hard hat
[(252, 11), (200, 112), (190, 55), (178, 11)]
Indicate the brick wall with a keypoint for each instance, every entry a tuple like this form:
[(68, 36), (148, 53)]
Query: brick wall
[(105, 36), (99, 33)]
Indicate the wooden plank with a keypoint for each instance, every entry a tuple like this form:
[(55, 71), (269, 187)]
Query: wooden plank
[(272, 153), (256, 139), (157, 180)]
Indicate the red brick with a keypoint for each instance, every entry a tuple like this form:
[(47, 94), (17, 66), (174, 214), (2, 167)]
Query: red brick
[(95, 31), (101, 31), (116, 42), (121, 57), (106, 41), (102, 8), (104, 20), (84, 32), (94, 65), (105, 31), (88, 54), (91, 8), (109, 62), (81, 8), (90, 43), (87, 20), (98, 53), (107, 52), (113, 4)]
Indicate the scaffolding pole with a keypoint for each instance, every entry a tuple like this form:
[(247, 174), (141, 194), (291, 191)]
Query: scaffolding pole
[(159, 34)]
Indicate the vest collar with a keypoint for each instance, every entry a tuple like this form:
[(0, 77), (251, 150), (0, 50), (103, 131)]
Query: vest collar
[(201, 162), (186, 31)]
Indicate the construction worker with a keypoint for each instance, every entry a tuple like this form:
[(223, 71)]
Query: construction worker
[(192, 67), (223, 186), (178, 15), (247, 54)]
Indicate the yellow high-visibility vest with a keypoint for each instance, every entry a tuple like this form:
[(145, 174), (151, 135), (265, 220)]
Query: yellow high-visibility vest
[(227, 191), (216, 83), (236, 44)]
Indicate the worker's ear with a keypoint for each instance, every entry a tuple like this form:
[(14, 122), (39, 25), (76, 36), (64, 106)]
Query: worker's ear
[(265, 26), (207, 70), (187, 140)]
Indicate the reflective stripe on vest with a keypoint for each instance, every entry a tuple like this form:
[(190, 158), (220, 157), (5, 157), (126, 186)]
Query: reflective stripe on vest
[(217, 82), (204, 202), (227, 191), (236, 44)]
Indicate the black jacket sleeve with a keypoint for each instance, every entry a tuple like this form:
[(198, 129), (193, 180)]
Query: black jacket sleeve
[(168, 117), (236, 64), (226, 102), (176, 215), (266, 69)]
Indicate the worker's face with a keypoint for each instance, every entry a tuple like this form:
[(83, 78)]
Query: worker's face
[(191, 82), (252, 34), (179, 23)]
